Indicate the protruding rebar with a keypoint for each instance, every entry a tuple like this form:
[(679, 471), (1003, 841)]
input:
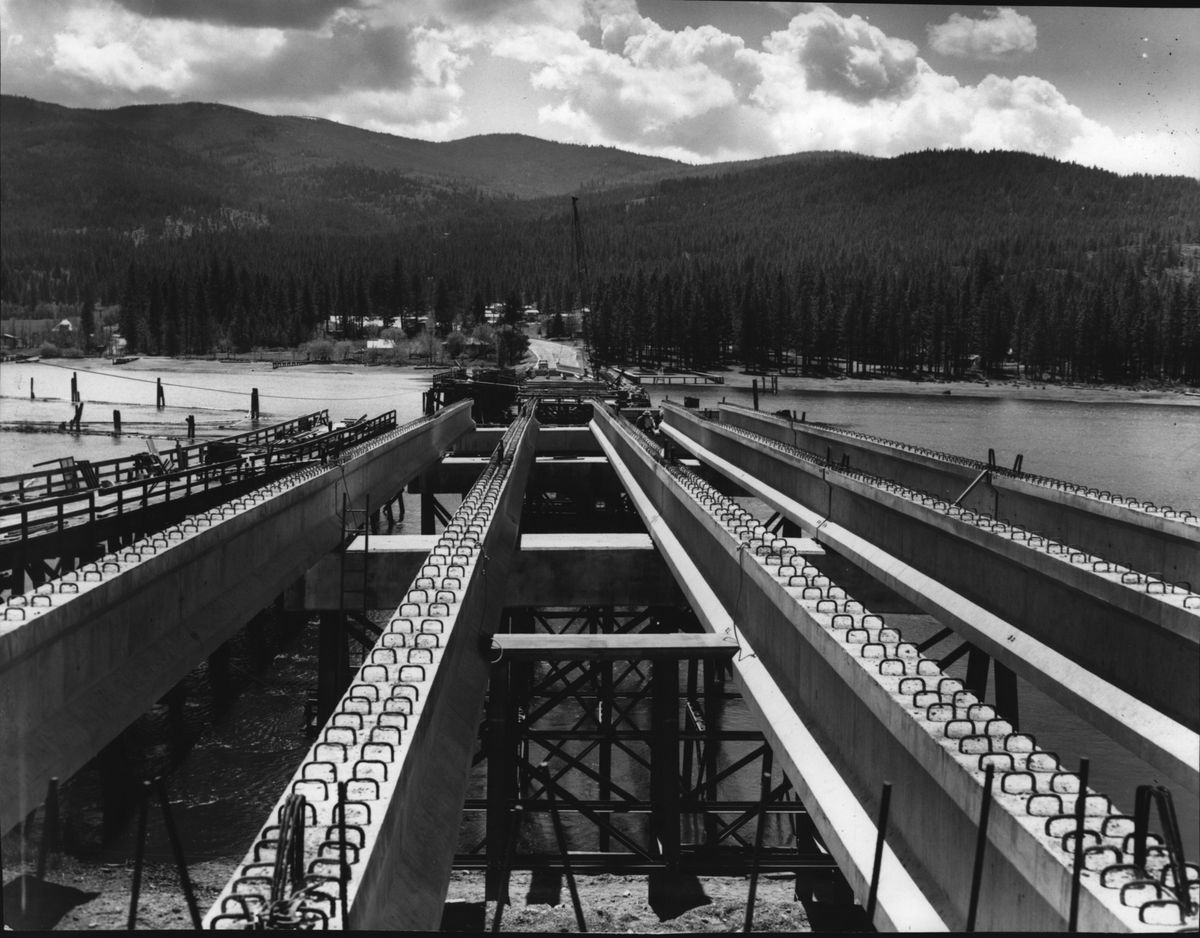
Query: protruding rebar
[(885, 803)]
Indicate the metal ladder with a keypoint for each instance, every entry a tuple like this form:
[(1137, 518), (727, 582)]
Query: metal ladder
[(352, 591), (352, 586)]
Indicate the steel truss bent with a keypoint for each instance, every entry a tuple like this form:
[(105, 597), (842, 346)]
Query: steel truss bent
[(640, 755)]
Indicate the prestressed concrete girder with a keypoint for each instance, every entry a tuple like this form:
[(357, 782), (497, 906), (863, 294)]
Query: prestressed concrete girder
[(420, 754), (1156, 738), (85, 665), (847, 829), (1147, 541), (861, 716), (1145, 644)]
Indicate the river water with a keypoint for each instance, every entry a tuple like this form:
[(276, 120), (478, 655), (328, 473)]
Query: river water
[(236, 769), (217, 394)]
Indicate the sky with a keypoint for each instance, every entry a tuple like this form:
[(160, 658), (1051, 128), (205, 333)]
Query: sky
[(694, 80)]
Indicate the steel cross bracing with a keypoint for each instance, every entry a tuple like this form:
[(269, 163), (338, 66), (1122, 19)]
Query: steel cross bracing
[(653, 783), (880, 710), (1039, 612), (581, 715), (384, 783)]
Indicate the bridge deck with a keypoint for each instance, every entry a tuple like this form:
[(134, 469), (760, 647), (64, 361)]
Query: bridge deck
[(844, 701)]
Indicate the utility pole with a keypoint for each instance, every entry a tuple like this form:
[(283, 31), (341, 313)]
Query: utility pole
[(581, 276)]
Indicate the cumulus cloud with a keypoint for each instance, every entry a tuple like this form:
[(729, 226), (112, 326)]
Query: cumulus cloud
[(349, 56), (676, 93), (599, 72), (281, 14), (847, 56), (1001, 34), (374, 68), (558, 14)]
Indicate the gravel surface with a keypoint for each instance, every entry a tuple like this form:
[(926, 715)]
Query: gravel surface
[(82, 895)]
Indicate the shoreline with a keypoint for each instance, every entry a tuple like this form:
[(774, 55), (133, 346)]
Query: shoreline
[(1013, 388)]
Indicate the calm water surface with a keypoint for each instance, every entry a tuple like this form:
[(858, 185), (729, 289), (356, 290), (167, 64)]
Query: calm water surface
[(1143, 449), (216, 394)]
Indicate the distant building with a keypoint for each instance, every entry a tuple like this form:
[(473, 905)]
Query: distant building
[(381, 343)]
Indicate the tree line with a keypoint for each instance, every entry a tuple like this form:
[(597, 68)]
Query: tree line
[(933, 263)]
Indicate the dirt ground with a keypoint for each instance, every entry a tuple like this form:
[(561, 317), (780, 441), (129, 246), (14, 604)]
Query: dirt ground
[(621, 905), (78, 895)]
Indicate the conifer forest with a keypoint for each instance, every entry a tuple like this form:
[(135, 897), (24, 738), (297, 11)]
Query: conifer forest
[(930, 264)]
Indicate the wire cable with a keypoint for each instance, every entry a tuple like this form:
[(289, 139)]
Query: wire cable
[(196, 387)]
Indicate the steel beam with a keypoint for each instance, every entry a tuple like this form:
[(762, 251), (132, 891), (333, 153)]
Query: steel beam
[(581, 647), (83, 657)]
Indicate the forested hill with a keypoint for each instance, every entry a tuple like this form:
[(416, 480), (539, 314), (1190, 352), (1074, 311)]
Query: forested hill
[(135, 166), (933, 261), (928, 262)]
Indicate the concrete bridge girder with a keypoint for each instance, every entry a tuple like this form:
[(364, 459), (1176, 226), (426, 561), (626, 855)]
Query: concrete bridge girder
[(81, 669), (1130, 638), (836, 809), (1154, 737), (1151, 543), (410, 765), (868, 730)]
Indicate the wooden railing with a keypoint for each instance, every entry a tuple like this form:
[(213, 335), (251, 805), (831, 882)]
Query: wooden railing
[(55, 513), (74, 475)]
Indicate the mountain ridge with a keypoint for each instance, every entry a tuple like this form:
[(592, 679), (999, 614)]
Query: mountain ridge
[(134, 165)]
